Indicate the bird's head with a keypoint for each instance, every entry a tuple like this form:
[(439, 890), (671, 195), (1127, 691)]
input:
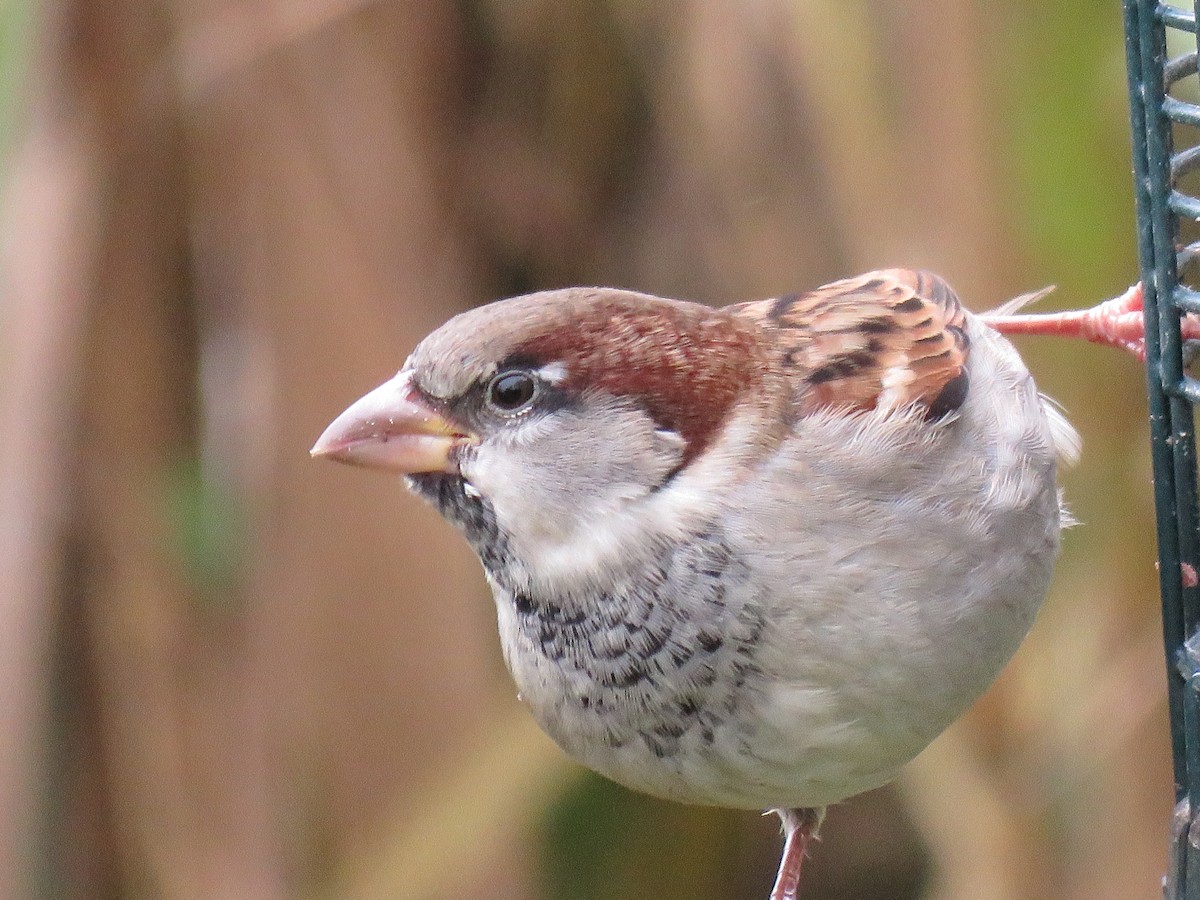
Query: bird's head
[(561, 428)]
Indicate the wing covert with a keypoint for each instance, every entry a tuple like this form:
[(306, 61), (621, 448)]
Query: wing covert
[(887, 338)]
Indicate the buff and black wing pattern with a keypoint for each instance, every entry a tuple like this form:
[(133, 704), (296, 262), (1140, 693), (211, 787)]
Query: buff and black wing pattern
[(888, 338)]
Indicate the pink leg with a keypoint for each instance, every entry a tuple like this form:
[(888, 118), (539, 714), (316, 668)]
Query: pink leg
[(799, 827), (1116, 322)]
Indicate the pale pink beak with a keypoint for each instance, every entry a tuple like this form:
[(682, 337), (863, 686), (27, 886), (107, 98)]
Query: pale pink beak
[(392, 429)]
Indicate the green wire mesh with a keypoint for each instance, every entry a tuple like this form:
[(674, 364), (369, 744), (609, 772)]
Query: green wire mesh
[(1165, 210)]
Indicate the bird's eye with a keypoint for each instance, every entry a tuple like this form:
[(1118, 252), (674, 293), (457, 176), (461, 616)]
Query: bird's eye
[(511, 391)]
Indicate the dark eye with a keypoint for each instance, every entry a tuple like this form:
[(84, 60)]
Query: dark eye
[(510, 391)]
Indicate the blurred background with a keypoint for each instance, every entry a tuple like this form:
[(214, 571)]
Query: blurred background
[(229, 672)]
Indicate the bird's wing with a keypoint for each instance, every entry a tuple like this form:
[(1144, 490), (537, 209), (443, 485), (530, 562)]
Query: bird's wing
[(890, 338)]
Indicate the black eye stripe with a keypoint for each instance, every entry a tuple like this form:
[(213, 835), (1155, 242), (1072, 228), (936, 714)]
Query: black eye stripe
[(511, 391)]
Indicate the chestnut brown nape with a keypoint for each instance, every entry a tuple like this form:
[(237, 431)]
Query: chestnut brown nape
[(685, 364)]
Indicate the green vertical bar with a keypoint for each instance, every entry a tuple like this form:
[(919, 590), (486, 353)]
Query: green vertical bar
[(1173, 446), (1144, 52)]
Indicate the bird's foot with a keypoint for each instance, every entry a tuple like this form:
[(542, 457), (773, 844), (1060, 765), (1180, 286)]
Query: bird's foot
[(1116, 322), (799, 827)]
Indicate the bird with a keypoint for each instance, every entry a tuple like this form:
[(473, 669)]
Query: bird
[(756, 556)]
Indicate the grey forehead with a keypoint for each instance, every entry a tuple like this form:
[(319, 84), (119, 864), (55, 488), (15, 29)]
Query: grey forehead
[(446, 369), (469, 347)]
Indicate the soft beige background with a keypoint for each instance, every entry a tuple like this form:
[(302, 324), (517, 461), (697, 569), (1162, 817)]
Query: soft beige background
[(227, 672)]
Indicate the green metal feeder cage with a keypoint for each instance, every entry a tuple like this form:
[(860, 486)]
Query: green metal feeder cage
[(1165, 210)]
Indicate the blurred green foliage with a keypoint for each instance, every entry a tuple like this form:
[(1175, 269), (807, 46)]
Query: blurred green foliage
[(603, 842), (16, 33), (209, 530)]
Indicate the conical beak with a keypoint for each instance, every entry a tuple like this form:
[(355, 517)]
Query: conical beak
[(391, 429)]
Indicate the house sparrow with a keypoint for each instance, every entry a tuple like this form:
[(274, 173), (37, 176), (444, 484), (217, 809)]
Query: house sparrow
[(753, 557)]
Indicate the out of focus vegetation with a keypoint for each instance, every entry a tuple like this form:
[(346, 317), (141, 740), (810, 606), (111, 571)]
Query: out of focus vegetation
[(228, 672)]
